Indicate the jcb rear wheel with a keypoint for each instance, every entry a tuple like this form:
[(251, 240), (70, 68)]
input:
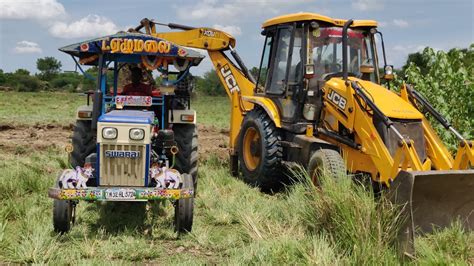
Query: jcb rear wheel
[(260, 151), (325, 161)]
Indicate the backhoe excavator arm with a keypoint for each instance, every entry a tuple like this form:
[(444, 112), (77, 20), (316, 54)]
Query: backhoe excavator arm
[(236, 79)]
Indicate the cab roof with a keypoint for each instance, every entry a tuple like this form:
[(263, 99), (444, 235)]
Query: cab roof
[(317, 17)]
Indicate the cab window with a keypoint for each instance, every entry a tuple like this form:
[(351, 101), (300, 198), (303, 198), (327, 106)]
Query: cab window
[(277, 81)]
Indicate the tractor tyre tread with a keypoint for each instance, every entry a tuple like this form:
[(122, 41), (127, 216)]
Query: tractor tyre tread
[(186, 137), (83, 143)]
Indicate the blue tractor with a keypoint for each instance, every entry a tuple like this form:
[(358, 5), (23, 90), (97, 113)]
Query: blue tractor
[(136, 141)]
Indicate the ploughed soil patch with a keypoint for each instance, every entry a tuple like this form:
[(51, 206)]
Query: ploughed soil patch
[(24, 139)]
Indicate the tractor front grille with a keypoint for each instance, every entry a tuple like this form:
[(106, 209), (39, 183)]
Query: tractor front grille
[(122, 171)]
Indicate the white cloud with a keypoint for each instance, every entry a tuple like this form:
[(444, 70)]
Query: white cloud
[(26, 47), (367, 5), (38, 9), (235, 10), (90, 26), (400, 23), (232, 30)]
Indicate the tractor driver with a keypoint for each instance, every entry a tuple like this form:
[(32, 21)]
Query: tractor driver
[(137, 88)]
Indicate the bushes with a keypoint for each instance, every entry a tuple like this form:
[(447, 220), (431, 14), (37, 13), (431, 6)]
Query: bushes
[(448, 84)]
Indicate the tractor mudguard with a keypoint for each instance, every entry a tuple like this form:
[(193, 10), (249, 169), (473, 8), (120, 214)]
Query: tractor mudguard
[(432, 199)]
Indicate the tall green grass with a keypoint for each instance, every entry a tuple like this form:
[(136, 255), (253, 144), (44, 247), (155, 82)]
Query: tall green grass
[(234, 224)]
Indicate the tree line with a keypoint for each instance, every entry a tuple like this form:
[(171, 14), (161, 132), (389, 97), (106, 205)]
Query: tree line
[(50, 77)]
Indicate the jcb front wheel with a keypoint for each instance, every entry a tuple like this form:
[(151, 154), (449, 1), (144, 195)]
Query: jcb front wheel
[(325, 162), (260, 151)]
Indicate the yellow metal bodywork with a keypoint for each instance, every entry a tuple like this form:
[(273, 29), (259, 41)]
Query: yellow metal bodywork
[(373, 156), (239, 89), (201, 38), (317, 17)]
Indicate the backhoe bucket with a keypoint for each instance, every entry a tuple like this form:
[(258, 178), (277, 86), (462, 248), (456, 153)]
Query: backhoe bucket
[(433, 199)]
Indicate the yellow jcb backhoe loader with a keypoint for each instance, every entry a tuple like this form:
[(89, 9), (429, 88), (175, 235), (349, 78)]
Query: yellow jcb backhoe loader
[(318, 101)]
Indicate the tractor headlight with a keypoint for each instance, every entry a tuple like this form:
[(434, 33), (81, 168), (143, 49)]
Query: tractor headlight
[(109, 133), (137, 134)]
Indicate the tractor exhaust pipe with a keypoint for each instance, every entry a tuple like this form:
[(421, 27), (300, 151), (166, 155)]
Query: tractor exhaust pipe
[(344, 48)]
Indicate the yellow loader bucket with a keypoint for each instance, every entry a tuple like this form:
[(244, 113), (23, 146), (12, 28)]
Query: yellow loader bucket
[(433, 199)]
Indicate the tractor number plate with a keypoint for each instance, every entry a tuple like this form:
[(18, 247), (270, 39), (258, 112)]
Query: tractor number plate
[(120, 194), (133, 100)]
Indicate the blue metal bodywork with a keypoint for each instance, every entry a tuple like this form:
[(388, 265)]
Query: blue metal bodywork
[(128, 116)]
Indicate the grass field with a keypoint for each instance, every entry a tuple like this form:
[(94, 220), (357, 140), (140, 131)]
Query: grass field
[(29, 108), (234, 223)]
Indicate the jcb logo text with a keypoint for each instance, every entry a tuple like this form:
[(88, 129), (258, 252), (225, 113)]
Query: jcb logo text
[(229, 79), (337, 99)]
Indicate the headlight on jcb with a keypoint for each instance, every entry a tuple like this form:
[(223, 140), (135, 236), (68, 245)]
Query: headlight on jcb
[(109, 133), (137, 134)]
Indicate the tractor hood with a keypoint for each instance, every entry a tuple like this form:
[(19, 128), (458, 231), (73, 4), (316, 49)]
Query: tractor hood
[(128, 116), (387, 101)]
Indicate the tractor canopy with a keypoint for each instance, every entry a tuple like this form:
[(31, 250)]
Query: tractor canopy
[(133, 48)]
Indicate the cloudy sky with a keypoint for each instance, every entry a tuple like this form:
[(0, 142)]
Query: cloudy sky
[(30, 29)]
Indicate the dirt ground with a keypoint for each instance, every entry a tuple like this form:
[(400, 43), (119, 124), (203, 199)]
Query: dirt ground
[(21, 139)]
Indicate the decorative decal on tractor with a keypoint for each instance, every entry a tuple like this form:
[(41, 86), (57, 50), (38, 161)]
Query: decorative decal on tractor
[(76, 178), (128, 100), (84, 47), (122, 154), (129, 46), (229, 79), (164, 176), (337, 99), (182, 52)]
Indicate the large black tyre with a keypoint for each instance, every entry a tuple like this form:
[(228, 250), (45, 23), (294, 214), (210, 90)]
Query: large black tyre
[(260, 152), (326, 161), (63, 215), (184, 209), (83, 143), (186, 138)]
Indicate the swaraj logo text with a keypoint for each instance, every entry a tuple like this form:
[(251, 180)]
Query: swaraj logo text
[(229, 79), (122, 154)]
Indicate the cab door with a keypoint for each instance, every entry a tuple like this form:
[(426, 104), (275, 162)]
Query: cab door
[(282, 57)]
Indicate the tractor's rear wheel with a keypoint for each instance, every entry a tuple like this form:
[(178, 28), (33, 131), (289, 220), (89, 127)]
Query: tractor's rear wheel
[(83, 142), (184, 209), (186, 138), (325, 161), (260, 151), (63, 215)]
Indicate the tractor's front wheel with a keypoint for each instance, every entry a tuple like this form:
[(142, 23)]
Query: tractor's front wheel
[(260, 151), (184, 209), (325, 162), (64, 212)]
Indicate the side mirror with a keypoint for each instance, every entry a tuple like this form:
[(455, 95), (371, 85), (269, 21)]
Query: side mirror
[(309, 71), (388, 72)]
